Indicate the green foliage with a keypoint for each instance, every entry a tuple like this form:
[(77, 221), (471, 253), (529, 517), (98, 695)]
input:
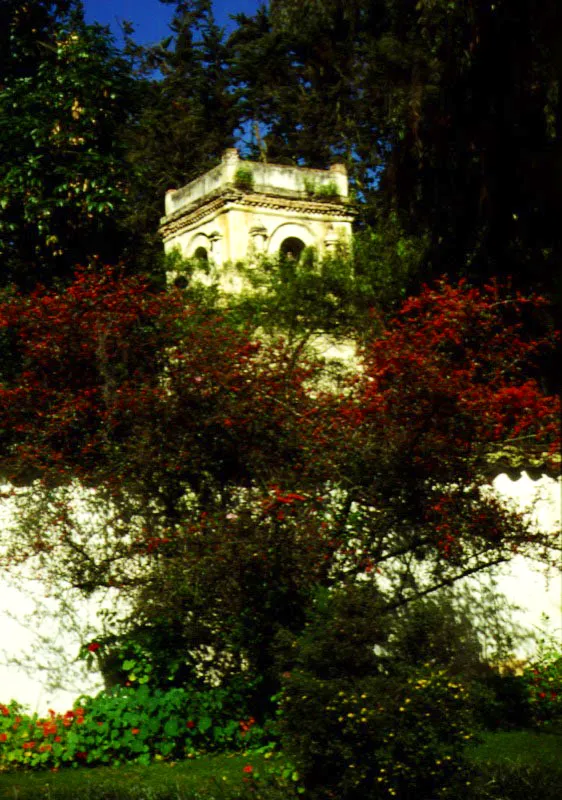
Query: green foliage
[(408, 95), (62, 169), (543, 683), (362, 715), (188, 118), (323, 191), (347, 294), (209, 777), (244, 178), (378, 737), (515, 765), (128, 725)]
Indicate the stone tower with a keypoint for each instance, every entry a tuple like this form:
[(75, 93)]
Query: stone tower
[(241, 209)]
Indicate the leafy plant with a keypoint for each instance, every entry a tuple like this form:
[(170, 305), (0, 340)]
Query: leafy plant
[(378, 737), (128, 725), (326, 191), (543, 683), (244, 178)]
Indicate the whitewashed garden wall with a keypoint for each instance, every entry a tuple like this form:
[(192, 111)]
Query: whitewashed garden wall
[(46, 645)]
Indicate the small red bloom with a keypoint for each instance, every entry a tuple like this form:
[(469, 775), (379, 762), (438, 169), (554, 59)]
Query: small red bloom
[(248, 768), (190, 723), (3, 737), (5, 711), (134, 731), (48, 728), (28, 745), (93, 646)]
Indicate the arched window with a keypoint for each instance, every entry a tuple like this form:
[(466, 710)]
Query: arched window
[(291, 248), (201, 254)]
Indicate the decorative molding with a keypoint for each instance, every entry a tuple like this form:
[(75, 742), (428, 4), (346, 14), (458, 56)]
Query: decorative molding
[(231, 198)]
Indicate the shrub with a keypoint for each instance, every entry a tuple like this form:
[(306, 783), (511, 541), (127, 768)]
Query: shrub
[(543, 683), (378, 737), (127, 724), (244, 178)]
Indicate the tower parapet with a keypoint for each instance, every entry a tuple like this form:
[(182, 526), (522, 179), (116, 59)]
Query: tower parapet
[(242, 208)]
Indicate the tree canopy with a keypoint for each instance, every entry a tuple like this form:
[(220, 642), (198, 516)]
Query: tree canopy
[(65, 97), (231, 487), (218, 476)]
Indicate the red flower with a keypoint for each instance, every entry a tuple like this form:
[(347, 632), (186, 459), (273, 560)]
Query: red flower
[(134, 731), (248, 768), (190, 724), (28, 745), (5, 711), (93, 646), (3, 737), (48, 728)]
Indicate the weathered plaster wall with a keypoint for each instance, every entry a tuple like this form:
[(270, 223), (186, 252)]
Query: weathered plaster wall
[(521, 581), (235, 223)]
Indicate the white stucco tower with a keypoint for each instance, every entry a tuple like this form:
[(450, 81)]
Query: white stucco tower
[(241, 209)]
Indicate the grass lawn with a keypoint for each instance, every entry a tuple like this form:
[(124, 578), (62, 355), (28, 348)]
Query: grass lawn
[(515, 765), (213, 776), (521, 747), (519, 765)]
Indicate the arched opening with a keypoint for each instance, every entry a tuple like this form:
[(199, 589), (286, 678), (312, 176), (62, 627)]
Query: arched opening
[(202, 255), (291, 248)]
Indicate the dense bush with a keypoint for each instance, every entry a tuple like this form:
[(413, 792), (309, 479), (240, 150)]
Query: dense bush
[(378, 737), (127, 724), (542, 680)]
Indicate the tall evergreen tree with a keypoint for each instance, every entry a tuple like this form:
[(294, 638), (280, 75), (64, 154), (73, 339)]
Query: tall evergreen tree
[(189, 116), (447, 114)]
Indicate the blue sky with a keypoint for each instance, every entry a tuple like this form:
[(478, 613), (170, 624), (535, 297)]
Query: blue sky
[(151, 18)]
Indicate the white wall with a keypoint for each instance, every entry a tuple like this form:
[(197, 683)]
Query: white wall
[(522, 582)]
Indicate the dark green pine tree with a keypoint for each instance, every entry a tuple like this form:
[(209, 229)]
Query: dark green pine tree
[(189, 117), (447, 114)]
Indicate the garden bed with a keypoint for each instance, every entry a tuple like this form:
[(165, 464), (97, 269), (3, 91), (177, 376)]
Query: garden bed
[(512, 765)]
